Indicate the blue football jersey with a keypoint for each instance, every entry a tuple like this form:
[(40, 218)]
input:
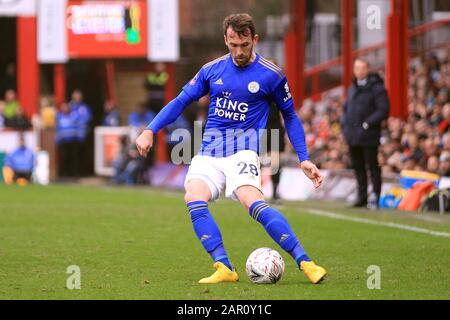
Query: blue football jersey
[(240, 98)]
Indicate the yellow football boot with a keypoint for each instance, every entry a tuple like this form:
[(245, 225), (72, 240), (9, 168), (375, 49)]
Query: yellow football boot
[(314, 272), (222, 274)]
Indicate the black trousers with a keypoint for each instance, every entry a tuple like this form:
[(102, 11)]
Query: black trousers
[(69, 162), (365, 158), (22, 174)]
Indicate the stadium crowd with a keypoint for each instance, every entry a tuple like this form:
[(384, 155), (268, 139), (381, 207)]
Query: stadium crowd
[(420, 142)]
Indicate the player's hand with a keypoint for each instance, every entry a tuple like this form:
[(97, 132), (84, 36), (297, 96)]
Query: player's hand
[(144, 142), (312, 172)]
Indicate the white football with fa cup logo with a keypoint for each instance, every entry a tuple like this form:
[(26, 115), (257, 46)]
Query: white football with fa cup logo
[(264, 265)]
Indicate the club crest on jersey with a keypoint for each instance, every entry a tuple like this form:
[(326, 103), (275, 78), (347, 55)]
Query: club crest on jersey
[(253, 87)]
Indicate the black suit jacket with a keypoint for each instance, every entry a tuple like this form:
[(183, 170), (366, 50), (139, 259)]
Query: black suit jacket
[(368, 103)]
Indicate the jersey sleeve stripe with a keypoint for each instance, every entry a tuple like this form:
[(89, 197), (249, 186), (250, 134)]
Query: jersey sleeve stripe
[(279, 73), (274, 66), (271, 64)]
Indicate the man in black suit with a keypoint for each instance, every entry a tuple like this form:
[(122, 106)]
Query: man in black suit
[(366, 106)]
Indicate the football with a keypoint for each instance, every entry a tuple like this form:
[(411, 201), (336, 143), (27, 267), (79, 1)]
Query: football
[(264, 265)]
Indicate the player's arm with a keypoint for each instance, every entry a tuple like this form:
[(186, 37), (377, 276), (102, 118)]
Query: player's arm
[(194, 90), (295, 131)]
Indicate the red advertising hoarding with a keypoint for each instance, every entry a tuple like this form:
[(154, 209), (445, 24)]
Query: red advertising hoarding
[(99, 29)]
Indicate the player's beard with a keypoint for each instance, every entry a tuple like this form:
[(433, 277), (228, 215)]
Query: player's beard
[(244, 60)]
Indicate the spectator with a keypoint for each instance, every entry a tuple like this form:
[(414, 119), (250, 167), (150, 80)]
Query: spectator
[(445, 122), (11, 105), (120, 161), (333, 160), (155, 83), (409, 163), (111, 116), (412, 147), (84, 118), (67, 141), (433, 164), (84, 113), (446, 141), (141, 117), (48, 114), (430, 148), (444, 164), (129, 166), (366, 106), (442, 97), (19, 121), (20, 162)]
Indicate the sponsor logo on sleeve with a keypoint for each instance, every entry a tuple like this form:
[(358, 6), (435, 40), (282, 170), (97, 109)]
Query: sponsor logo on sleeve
[(288, 92)]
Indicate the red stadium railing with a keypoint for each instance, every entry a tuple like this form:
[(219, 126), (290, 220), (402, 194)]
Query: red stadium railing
[(327, 75)]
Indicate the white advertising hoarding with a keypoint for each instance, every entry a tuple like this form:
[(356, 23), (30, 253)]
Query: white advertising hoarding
[(9, 140), (15, 8), (52, 38), (107, 145), (163, 33)]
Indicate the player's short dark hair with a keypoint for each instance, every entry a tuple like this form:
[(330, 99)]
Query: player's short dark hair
[(241, 23)]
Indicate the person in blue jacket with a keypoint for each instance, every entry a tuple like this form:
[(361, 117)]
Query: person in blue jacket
[(140, 117), (21, 161), (84, 120), (111, 117), (67, 141)]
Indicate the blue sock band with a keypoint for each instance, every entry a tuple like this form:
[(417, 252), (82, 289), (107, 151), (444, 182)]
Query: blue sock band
[(208, 232), (279, 229)]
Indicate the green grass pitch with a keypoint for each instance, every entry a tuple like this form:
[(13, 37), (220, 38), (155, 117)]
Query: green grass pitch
[(139, 244)]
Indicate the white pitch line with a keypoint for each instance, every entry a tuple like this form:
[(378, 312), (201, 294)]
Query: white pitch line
[(377, 223)]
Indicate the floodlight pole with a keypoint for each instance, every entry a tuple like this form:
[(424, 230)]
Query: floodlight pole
[(59, 83), (347, 42), (110, 70), (295, 51), (27, 65), (397, 56)]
